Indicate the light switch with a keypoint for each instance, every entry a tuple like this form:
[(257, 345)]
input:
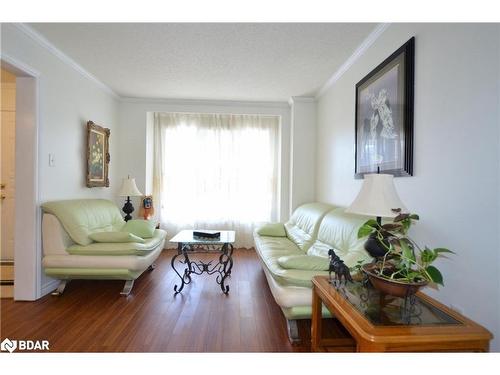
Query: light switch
[(52, 161)]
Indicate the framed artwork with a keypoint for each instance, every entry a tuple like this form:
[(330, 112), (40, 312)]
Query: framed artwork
[(384, 116), (97, 155)]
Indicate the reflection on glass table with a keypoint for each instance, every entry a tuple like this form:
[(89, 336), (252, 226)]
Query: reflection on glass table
[(386, 310)]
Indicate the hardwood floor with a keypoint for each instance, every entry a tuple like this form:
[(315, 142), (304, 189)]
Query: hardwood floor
[(92, 317)]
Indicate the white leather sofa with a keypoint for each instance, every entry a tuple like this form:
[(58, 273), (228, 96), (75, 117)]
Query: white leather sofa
[(290, 260)]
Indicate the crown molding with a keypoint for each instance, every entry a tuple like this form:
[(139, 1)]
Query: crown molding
[(208, 102), (363, 47), (20, 67), (42, 41), (301, 99)]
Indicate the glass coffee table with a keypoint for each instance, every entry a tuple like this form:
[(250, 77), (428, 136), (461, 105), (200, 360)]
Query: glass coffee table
[(383, 323), (187, 245)]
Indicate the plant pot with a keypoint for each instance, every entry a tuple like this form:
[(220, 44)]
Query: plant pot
[(374, 247), (392, 287)]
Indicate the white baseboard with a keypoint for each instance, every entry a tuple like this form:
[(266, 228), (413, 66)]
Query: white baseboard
[(49, 287)]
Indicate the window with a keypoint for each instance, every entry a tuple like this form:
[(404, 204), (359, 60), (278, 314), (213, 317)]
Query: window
[(216, 171)]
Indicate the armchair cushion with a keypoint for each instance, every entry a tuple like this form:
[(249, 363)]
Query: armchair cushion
[(272, 230), (304, 262), (123, 248), (115, 237), (140, 228)]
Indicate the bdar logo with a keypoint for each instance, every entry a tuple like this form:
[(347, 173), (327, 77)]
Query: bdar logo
[(8, 345), (23, 345)]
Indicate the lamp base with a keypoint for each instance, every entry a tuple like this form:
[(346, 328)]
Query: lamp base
[(373, 245), (128, 208)]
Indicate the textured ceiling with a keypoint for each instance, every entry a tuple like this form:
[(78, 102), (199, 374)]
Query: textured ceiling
[(209, 61)]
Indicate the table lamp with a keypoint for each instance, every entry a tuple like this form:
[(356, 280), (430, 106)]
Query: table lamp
[(377, 197), (129, 189)]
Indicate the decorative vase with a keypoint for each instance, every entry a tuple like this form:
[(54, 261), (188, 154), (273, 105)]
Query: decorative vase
[(392, 287)]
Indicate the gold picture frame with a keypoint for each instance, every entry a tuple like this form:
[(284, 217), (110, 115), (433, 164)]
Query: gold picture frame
[(97, 155)]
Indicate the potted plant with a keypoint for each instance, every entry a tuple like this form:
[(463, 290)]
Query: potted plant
[(405, 267)]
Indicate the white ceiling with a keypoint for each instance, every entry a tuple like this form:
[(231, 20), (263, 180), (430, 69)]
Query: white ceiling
[(209, 61)]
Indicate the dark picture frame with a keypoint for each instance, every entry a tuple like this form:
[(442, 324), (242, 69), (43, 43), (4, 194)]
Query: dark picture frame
[(384, 116), (97, 155)]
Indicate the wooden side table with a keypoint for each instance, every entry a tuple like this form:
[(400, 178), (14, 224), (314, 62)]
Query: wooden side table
[(380, 323)]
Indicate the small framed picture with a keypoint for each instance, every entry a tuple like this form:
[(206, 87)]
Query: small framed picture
[(97, 155), (384, 116)]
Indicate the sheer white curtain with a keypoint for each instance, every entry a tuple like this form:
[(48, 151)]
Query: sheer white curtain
[(216, 171)]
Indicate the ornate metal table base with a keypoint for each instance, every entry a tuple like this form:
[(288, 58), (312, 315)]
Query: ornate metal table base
[(222, 268)]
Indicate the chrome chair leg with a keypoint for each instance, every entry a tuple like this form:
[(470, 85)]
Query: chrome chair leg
[(60, 288), (127, 288), (293, 331)]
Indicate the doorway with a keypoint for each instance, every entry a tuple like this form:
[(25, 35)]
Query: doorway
[(23, 221), (7, 181)]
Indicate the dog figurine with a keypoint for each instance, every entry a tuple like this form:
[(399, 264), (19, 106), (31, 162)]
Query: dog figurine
[(338, 267)]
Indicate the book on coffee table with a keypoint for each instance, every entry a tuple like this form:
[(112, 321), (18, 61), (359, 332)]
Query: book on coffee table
[(206, 234)]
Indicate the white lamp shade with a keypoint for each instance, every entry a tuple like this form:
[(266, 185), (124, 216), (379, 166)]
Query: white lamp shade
[(377, 197), (129, 188)]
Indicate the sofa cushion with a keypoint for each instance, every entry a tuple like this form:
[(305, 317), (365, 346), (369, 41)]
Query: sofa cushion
[(272, 230), (81, 217), (126, 248), (140, 228), (270, 249), (302, 227), (115, 237), (304, 262), (292, 277), (339, 231)]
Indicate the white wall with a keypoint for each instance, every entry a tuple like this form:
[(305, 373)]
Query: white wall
[(302, 151), (67, 100), (133, 152), (455, 187)]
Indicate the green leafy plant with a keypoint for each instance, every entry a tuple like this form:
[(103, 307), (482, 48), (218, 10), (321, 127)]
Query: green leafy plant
[(405, 260), (357, 267)]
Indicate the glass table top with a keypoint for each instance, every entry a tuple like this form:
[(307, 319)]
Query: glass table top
[(385, 310), (186, 236)]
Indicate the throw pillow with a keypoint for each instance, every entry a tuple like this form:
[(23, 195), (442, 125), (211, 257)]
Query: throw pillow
[(272, 229), (115, 237), (141, 228)]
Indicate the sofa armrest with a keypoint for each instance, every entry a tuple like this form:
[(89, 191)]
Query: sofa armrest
[(271, 230), (55, 239)]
